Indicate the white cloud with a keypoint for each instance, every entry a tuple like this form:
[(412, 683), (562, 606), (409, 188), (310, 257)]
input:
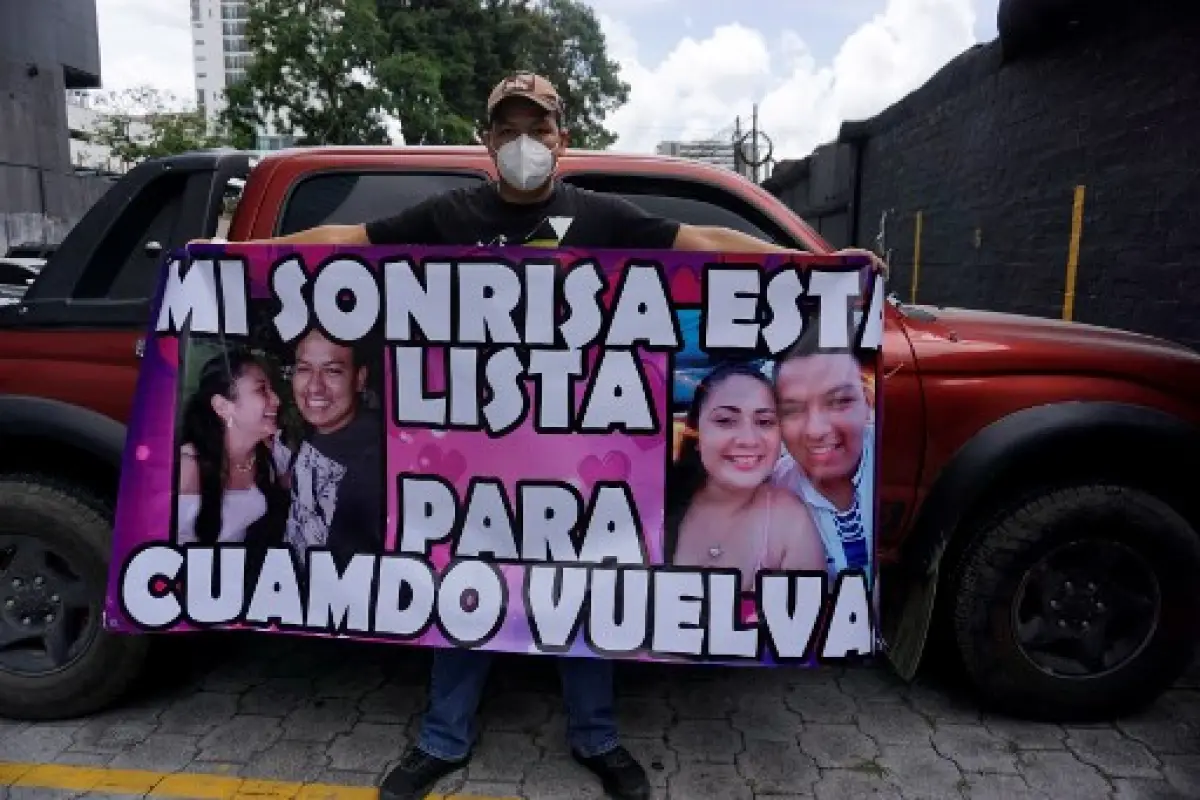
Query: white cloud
[(701, 85), (146, 42)]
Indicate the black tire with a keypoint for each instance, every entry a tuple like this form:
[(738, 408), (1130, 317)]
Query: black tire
[(1005, 555), (74, 525)]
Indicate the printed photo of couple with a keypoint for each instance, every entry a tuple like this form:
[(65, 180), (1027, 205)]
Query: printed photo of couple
[(772, 466), (281, 445)]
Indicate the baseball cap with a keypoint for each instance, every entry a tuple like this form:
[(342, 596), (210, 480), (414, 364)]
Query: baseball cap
[(529, 86)]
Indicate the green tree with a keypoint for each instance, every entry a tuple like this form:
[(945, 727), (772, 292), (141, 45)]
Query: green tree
[(450, 53), (313, 74), (143, 122)]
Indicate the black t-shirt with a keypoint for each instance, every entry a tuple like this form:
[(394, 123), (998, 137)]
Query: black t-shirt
[(337, 490), (569, 217)]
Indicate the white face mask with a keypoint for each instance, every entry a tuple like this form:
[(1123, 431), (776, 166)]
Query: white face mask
[(525, 163)]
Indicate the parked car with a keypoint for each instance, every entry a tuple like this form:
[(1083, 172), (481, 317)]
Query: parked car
[(1037, 501)]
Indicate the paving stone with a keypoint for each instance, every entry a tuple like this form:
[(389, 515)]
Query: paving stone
[(561, 778), (777, 768), (838, 745), (872, 685), (843, 784), (946, 706), (320, 720), (339, 777), (37, 743), (73, 759), (1060, 774), (368, 747), (199, 713), (715, 699), (659, 760), (920, 771), (1027, 735), (1143, 789), (998, 787), (763, 717), (711, 741), (523, 712), (821, 702), (644, 717), (276, 697), (391, 703), (240, 739), (236, 676), (707, 781), (32, 793), (1114, 754), (892, 724), (1164, 729), (502, 756), (1183, 773), (290, 761), (104, 736), (350, 681), (975, 749), (162, 752), (490, 790)]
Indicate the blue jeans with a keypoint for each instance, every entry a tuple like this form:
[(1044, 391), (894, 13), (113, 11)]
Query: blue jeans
[(448, 729)]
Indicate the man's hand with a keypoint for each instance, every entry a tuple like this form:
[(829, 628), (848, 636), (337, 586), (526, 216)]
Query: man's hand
[(877, 263)]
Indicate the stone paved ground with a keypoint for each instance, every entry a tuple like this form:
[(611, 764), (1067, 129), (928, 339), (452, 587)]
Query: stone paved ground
[(300, 710)]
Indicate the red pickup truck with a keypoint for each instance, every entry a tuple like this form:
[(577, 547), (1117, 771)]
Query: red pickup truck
[(1039, 519)]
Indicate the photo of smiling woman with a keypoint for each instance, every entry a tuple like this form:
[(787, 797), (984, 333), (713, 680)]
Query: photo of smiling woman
[(229, 486), (723, 511)]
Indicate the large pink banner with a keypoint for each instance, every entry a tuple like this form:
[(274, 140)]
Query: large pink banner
[(649, 455)]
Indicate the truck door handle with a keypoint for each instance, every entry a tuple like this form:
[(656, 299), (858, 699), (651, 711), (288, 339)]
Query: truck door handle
[(139, 348)]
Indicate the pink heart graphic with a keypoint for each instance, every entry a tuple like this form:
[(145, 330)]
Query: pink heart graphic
[(614, 467), (450, 464), (685, 284)]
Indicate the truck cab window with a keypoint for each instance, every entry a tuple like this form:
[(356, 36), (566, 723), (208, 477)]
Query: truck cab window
[(119, 268), (687, 201), (348, 198)]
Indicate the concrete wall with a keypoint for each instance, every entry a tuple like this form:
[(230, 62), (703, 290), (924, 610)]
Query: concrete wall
[(46, 47), (990, 154)]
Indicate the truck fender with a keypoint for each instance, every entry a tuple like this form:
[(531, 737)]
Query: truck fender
[(23, 417), (1022, 438), (1024, 435)]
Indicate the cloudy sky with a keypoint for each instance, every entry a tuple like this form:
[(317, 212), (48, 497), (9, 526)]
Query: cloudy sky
[(693, 65)]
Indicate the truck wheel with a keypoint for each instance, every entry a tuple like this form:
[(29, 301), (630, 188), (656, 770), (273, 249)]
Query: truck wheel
[(56, 661), (1079, 604)]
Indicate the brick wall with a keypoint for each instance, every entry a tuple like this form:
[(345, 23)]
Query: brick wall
[(990, 152)]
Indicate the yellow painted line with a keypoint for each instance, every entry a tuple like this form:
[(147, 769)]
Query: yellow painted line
[(67, 778), (916, 275), (1068, 312)]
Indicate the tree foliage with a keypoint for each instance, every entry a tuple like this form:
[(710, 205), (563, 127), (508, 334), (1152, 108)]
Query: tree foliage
[(143, 122), (313, 74), (450, 53)]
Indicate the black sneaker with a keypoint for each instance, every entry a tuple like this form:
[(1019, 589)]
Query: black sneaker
[(415, 776), (622, 776)]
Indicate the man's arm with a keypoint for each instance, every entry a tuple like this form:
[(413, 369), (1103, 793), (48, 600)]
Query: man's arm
[(715, 239), (322, 234), (414, 224), (727, 240)]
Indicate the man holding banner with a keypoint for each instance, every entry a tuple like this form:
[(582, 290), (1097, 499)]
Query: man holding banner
[(527, 207)]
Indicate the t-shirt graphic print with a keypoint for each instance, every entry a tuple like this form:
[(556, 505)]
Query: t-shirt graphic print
[(315, 482)]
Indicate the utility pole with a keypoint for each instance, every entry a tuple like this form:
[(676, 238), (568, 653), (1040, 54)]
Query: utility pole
[(754, 140)]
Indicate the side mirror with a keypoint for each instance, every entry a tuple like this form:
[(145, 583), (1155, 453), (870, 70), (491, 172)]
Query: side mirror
[(153, 249)]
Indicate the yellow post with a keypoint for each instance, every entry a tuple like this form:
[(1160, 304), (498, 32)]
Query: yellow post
[(1068, 311), (916, 274)]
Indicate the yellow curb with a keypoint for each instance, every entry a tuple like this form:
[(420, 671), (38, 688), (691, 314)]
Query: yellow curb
[(184, 784)]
